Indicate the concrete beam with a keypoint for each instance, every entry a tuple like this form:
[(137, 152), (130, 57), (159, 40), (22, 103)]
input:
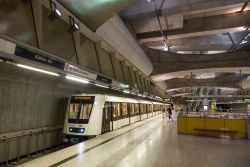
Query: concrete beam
[(203, 26), (133, 14), (221, 82), (164, 62), (38, 15)]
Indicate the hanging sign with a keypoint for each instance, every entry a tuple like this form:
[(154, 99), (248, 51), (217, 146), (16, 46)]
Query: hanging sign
[(79, 72), (103, 79), (24, 53)]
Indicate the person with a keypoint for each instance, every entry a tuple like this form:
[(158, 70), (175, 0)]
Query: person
[(170, 114)]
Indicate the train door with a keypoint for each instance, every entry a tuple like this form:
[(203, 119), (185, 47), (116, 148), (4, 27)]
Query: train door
[(106, 117)]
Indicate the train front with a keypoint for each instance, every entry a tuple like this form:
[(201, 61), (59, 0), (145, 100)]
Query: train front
[(78, 116)]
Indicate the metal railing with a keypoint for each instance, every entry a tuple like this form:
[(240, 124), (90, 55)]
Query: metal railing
[(35, 140), (232, 114)]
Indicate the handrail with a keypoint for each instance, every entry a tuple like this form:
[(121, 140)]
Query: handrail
[(20, 134)]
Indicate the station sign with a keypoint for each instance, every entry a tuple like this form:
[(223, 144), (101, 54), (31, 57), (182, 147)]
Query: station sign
[(247, 100), (79, 72), (103, 79), (24, 53)]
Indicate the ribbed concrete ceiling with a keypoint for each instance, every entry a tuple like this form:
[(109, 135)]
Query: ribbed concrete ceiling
[(95, 12), (196, 27)]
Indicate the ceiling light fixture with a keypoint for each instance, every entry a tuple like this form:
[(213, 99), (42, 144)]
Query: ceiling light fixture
[(139, 94), (73, 26), (243, 42), (54, 12), (37, 69), (205, 76), (126, 91), (77, 79), (247, 36), (102, 86), (165, 48)]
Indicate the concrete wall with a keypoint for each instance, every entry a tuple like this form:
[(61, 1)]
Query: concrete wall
[(133, 77), (127, 75), (16, 21), (28, 104), (105, 61), (117, 66), (87, 55), (56, 38)]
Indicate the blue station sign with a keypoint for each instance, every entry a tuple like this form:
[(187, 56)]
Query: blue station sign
[(24, 53)]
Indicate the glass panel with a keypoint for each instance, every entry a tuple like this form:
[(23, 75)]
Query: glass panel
[(124, 110), (141, 108), (73, 111), (132, 109), (107, 109), (117, 111), (80, 109), (137, 111), (85, 111)]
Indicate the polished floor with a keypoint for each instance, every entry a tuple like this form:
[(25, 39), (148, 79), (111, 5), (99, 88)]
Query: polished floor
[(153, 143)]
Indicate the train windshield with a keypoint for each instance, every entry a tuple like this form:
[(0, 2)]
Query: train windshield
[(80, 109)]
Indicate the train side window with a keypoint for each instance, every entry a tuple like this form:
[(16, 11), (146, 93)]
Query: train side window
[(145, 108), (137, 111), (124, 110), (132, 109), (140, 108), (117, 111)]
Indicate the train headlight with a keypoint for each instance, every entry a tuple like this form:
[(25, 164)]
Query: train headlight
[(81, 130), (70, 129)]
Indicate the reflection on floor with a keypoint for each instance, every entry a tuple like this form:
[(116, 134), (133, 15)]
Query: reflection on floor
[(157, 144)]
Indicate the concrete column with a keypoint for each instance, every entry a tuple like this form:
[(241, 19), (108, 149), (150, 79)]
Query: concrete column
[(76, 38), (38, 20)]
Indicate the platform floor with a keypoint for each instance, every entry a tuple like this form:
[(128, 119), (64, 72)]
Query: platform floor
[(152, 143)]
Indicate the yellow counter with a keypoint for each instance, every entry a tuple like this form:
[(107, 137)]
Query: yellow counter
[(216, 127)]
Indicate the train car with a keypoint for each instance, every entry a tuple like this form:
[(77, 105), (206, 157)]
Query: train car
[(95, 114)]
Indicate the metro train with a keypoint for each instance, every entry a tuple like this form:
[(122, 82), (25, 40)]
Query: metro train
[(89, 115)]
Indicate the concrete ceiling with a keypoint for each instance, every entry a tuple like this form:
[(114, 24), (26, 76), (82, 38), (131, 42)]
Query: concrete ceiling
[(196, 33), (95, 12), (191, 26)]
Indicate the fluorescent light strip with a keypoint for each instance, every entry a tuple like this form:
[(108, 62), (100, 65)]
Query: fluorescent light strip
[(37, 69), (126, 91), (58, 12), (76, 26), (114, 88), (77, 79), (243, 42), (139, 94), (102, 86)]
